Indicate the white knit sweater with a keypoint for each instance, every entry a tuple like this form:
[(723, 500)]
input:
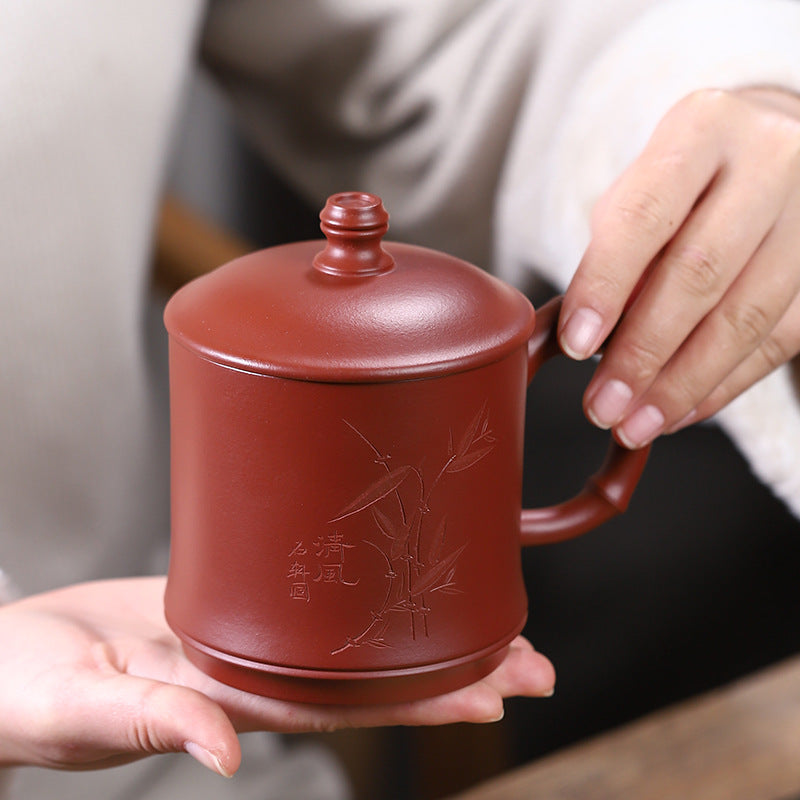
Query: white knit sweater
[(488, 126)]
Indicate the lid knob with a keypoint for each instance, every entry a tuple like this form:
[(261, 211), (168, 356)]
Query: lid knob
[(354, 224)]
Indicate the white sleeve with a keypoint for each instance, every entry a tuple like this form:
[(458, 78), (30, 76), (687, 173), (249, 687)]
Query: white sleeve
[(88, 96), (546, 198), (412, 99), (490, 127)]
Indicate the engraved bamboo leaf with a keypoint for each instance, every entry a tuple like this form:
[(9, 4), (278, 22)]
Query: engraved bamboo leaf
[(468, 439), (435, 553), (448, 586), (428, 579), (384, 523), (399, 536), (399, 544), (377, 491), (469, 459)]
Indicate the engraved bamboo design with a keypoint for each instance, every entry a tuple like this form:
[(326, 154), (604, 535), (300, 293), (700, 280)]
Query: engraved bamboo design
[(410, 577)]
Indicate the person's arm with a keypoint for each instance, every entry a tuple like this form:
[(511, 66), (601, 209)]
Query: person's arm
[(92, 677), (666, 154)]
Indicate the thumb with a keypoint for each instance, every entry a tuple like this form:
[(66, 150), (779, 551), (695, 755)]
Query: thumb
[(130, 717)]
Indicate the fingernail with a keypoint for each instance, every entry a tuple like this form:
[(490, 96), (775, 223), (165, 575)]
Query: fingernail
[(609, 403), (641, 427), (548, 694), (496, 717), (206, 758), (581, 335)]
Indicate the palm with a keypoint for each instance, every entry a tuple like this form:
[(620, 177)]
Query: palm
[(97, 678)]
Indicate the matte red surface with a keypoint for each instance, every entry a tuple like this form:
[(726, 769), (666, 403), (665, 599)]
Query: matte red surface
[(347, 429)]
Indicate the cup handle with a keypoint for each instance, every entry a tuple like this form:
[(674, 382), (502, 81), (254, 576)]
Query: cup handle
[(607, 492)]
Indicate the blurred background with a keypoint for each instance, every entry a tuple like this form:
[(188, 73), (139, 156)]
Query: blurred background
[(696, 585)]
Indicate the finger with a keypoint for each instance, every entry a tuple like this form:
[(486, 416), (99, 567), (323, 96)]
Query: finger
[(476, 703), (118, 718), (737, 326), (780, 346), (694, 274), (522, 672), (633, 222)]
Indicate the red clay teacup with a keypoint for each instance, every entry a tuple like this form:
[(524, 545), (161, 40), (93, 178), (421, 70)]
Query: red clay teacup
[(347, 438)]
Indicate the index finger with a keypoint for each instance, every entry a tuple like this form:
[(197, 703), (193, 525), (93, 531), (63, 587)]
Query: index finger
[(633, 221)]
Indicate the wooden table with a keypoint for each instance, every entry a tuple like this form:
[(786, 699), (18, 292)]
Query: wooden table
[(741, 742)]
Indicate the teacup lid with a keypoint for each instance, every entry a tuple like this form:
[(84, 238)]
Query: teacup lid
[(352, 309)]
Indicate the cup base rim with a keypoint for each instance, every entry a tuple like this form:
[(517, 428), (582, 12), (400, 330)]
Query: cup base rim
[(347, 687)]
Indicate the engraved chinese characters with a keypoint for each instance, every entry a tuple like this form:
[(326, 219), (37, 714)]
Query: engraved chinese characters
[(326, 556)]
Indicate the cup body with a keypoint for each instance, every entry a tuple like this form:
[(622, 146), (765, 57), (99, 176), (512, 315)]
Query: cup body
[(346, 542)]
